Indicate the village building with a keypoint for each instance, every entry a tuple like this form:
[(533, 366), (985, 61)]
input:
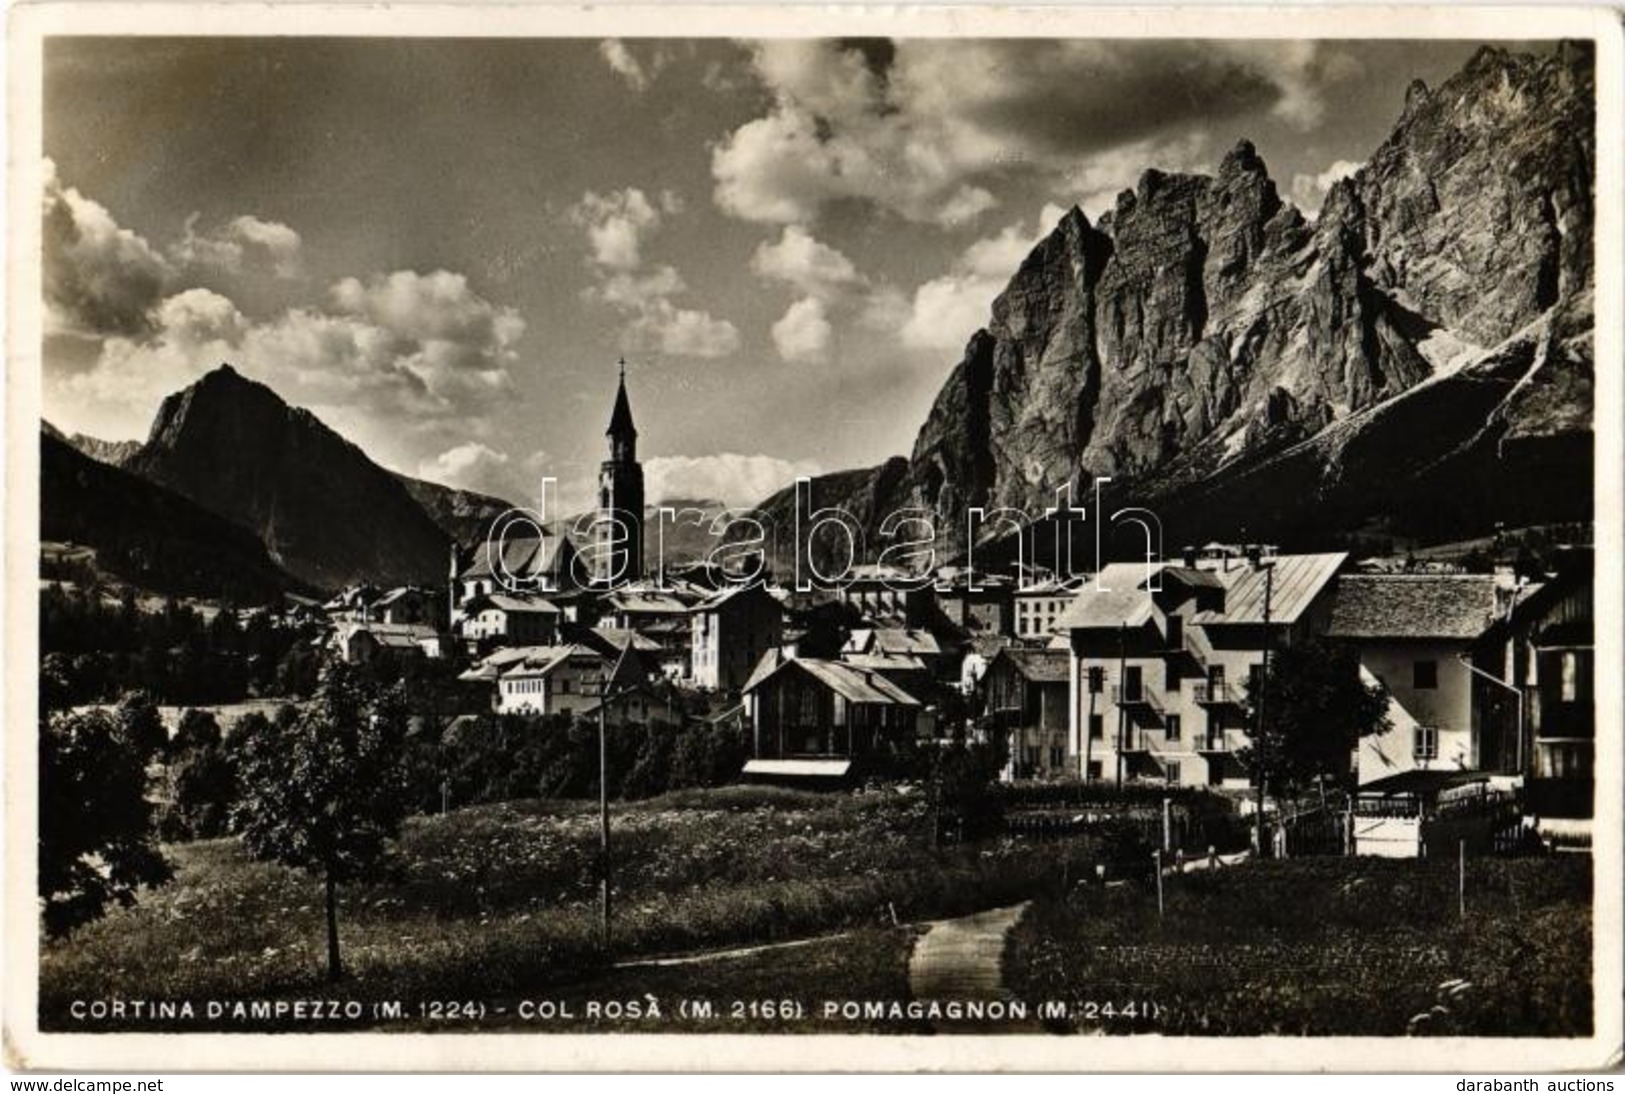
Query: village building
[(1162, 654), (1027, 692), (365, 643), (500, 619), (568, 679), (405, 604), (986, 605), (817, 719), (1536, 701), (351, 605), (886, 595), (521, 560), (660, 616), (729, 632), (1415, 635), (1039, 607)]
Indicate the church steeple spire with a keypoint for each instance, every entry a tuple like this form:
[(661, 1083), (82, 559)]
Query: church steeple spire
[(620, 420), (619, 536)]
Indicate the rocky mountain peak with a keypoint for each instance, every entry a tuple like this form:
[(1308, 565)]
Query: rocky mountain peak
[(325, 511), (1202, 329)]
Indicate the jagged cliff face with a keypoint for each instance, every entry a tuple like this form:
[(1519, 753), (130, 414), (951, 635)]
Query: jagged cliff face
[(1204, 329)]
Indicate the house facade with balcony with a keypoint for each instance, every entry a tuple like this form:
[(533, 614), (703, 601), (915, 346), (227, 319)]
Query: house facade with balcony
[(1161, 656)]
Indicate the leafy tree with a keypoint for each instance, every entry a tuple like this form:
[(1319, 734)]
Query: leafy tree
[(651, 769), (1316, 709), (141, 725), (962, 777), (197, 729), (298, 672), (205, 789), (96, 839), (56, 682), (328, 789)]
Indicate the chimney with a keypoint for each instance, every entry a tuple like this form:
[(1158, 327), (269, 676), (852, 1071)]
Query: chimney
[(1254, 555), (1189, 554)]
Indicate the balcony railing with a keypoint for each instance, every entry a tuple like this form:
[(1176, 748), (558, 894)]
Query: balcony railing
[(1134, 697), (1216, 694), (1213, 742)]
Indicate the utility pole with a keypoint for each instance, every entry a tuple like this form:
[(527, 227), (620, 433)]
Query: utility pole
[(1088, 728), (1122, 712), (604, 689), (1263, 688), (603, 815)]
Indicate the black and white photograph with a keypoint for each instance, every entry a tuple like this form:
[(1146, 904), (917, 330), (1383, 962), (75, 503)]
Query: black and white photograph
[(873, 529)]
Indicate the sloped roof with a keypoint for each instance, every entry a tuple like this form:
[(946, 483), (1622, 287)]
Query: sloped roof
[(535, 605), (522, 556), (893, 641), (1193, 578), (399, 593), (1459, 606), (620, 638), (1041, 665), (1112, 598), (1298, 580), (766, 666), (852, 684), (883, 662), (718, 599), (396, 635), (492, 664), (545, 659), (641, 600)]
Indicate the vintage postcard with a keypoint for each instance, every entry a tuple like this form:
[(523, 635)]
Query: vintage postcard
[(764, 539)]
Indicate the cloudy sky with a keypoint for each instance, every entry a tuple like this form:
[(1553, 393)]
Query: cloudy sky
[(442, 247)]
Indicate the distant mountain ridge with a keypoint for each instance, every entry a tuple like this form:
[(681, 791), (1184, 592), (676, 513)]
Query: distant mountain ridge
[(465, 516), (109, 452), (150, 536), (1418, 357)]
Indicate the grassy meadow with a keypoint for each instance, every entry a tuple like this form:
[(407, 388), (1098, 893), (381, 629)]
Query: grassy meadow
[(500, 901), (1330, 946)]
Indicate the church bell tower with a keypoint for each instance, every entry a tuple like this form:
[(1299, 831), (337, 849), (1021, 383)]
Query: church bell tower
[(618, 557)]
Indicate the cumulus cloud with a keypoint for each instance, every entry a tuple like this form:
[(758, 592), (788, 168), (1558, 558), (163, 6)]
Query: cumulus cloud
[(99, 278), (424, 346), (804, 332), (798, 259), (105, 280), (626, 66), (242, 237), (617, 225), (477, 467), (729, 477), (1309, 191), (947, 310), (920, 128)]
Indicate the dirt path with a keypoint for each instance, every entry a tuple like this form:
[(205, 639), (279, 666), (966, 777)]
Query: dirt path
[(962, 960), (724, 955)]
